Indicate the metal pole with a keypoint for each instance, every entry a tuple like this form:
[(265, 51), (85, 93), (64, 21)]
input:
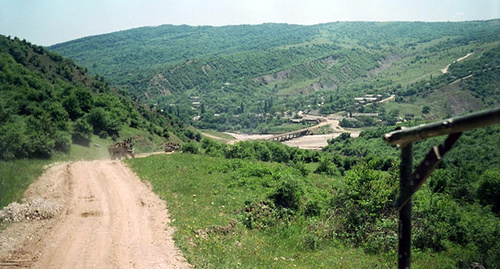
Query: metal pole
[(405, 171)]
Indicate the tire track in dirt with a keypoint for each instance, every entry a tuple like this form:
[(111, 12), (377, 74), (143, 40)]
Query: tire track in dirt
[(110, 220)]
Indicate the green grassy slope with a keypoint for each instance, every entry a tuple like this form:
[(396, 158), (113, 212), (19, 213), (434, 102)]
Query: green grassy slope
[(224, 219), (273, 68)]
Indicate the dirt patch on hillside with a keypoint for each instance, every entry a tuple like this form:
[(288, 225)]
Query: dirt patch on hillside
[(384, 64), (159, 83), (107, 218)]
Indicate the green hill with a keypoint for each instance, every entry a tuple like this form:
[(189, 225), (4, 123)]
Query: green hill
[(47, 103), (245, 74)]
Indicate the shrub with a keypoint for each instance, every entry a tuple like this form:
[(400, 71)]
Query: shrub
[(259, 215), (99, 119), (190, 147), (82, 132), (328, 168), (364, 202), (288, 194), (41, 146), (13, 140), (488, 191), (212, 148), (62, 141), (301, 167), (103, 134), (312, 208)]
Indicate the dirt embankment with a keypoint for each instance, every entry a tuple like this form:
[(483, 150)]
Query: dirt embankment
[(108, 218)]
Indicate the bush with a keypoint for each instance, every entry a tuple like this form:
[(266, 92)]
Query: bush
[(82, 132), (99, 119), (41, 146), (103, 134), (13, 140), (212, 148), (328, 168), (62, 141), (312, 208), (190, 147), (301, 167), (288, 194), (488, 191), (364, 203)]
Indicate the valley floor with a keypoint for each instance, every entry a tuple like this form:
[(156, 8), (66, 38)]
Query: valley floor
[(314, 142)]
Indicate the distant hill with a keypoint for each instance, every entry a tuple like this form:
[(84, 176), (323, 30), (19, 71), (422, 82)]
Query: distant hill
[(47, 103), (291, 67)]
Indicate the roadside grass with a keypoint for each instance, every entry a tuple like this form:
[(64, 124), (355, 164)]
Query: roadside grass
[(209, 200), (16, 176)]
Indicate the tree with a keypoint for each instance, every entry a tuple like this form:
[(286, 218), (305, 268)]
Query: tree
[(13, 139), (242, 108), (99, 119), (489, 189), (82, 132), (426, 109), (84, 98), (72, 106)]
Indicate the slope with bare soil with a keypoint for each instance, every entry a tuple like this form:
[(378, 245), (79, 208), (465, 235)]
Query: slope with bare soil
[(109, 219)]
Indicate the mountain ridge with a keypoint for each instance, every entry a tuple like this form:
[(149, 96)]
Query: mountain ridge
[(298, 67)]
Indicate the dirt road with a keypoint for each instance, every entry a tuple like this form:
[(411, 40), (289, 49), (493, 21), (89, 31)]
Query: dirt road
[(445, 70), (109, 219)]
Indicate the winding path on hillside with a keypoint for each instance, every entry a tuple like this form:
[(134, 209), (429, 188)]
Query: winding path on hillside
[(109, 219), (445, 70)]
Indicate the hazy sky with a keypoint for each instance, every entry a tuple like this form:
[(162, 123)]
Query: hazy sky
[(46, 22)]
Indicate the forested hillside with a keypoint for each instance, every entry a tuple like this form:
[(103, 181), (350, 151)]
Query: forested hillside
[(247, 77), (47, 103)]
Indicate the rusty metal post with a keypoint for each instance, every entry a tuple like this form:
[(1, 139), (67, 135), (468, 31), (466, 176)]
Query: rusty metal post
[(405, 181)]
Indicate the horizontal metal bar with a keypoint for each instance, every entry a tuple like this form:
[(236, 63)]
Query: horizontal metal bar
[(449, 126)]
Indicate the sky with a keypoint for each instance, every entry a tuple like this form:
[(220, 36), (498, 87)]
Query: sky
[(47, 22)]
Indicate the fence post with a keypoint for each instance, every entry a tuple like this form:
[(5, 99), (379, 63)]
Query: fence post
[(405, 181)]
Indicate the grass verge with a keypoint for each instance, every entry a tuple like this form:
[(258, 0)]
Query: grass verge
[(16, 176)]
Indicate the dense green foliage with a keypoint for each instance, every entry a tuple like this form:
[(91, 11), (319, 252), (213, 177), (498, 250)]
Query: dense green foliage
[(254, 78), (446, 210), (47, 102), (455, 211), (351, 203)]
